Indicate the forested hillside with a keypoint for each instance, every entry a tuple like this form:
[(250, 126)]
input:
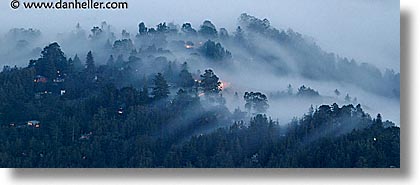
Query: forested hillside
[(157, 99)]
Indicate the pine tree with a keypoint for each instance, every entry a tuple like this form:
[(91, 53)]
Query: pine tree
[(186, 80), (336, 92), (144, 94), (90, 63), (111, 61), (347, 98), (290, 89), (77, 63), (239, 35), (161, 89), (142, 29)]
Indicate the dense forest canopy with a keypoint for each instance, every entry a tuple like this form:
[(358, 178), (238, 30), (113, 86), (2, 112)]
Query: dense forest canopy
[(178, 96)]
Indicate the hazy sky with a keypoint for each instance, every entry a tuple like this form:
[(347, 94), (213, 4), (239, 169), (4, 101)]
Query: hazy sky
[(367, 30)]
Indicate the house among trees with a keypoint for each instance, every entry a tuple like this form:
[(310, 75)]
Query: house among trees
[(39, 95), (27, 124), (62, 92), (120, 111), (40, 79), (33, 123), (189, 45), (86, 136), (58, 80)]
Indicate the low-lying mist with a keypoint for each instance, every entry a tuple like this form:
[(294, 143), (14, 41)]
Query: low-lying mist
[(258, 58), (286, 108)]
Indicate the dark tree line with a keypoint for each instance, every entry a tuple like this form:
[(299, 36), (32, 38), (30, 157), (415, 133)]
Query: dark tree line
[(315, 141)]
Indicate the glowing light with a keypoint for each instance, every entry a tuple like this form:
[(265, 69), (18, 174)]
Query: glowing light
[(120, 111), (224, 85), (189, 46)]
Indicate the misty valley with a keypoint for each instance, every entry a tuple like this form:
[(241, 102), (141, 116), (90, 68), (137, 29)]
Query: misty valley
[(175, 96)]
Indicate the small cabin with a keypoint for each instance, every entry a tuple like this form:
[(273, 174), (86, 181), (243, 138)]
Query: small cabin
[(189, 45), (33, 123), (40, 79), (58, 80), (85, 136), (39, 95), (120, 111)]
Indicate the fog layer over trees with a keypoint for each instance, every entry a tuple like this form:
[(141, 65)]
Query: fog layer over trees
[(172, 95)]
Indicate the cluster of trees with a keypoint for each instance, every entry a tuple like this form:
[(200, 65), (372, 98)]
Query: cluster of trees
[(19, 44), (22, 35), (256, 101), (52, 72), (94, 112), (302, 92), (215, 51), (307, 92), (311, 142)]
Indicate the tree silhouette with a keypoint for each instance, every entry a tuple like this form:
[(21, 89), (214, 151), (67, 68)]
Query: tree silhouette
[(161, 88), (210, 83), (90, 64), (256, 101)]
